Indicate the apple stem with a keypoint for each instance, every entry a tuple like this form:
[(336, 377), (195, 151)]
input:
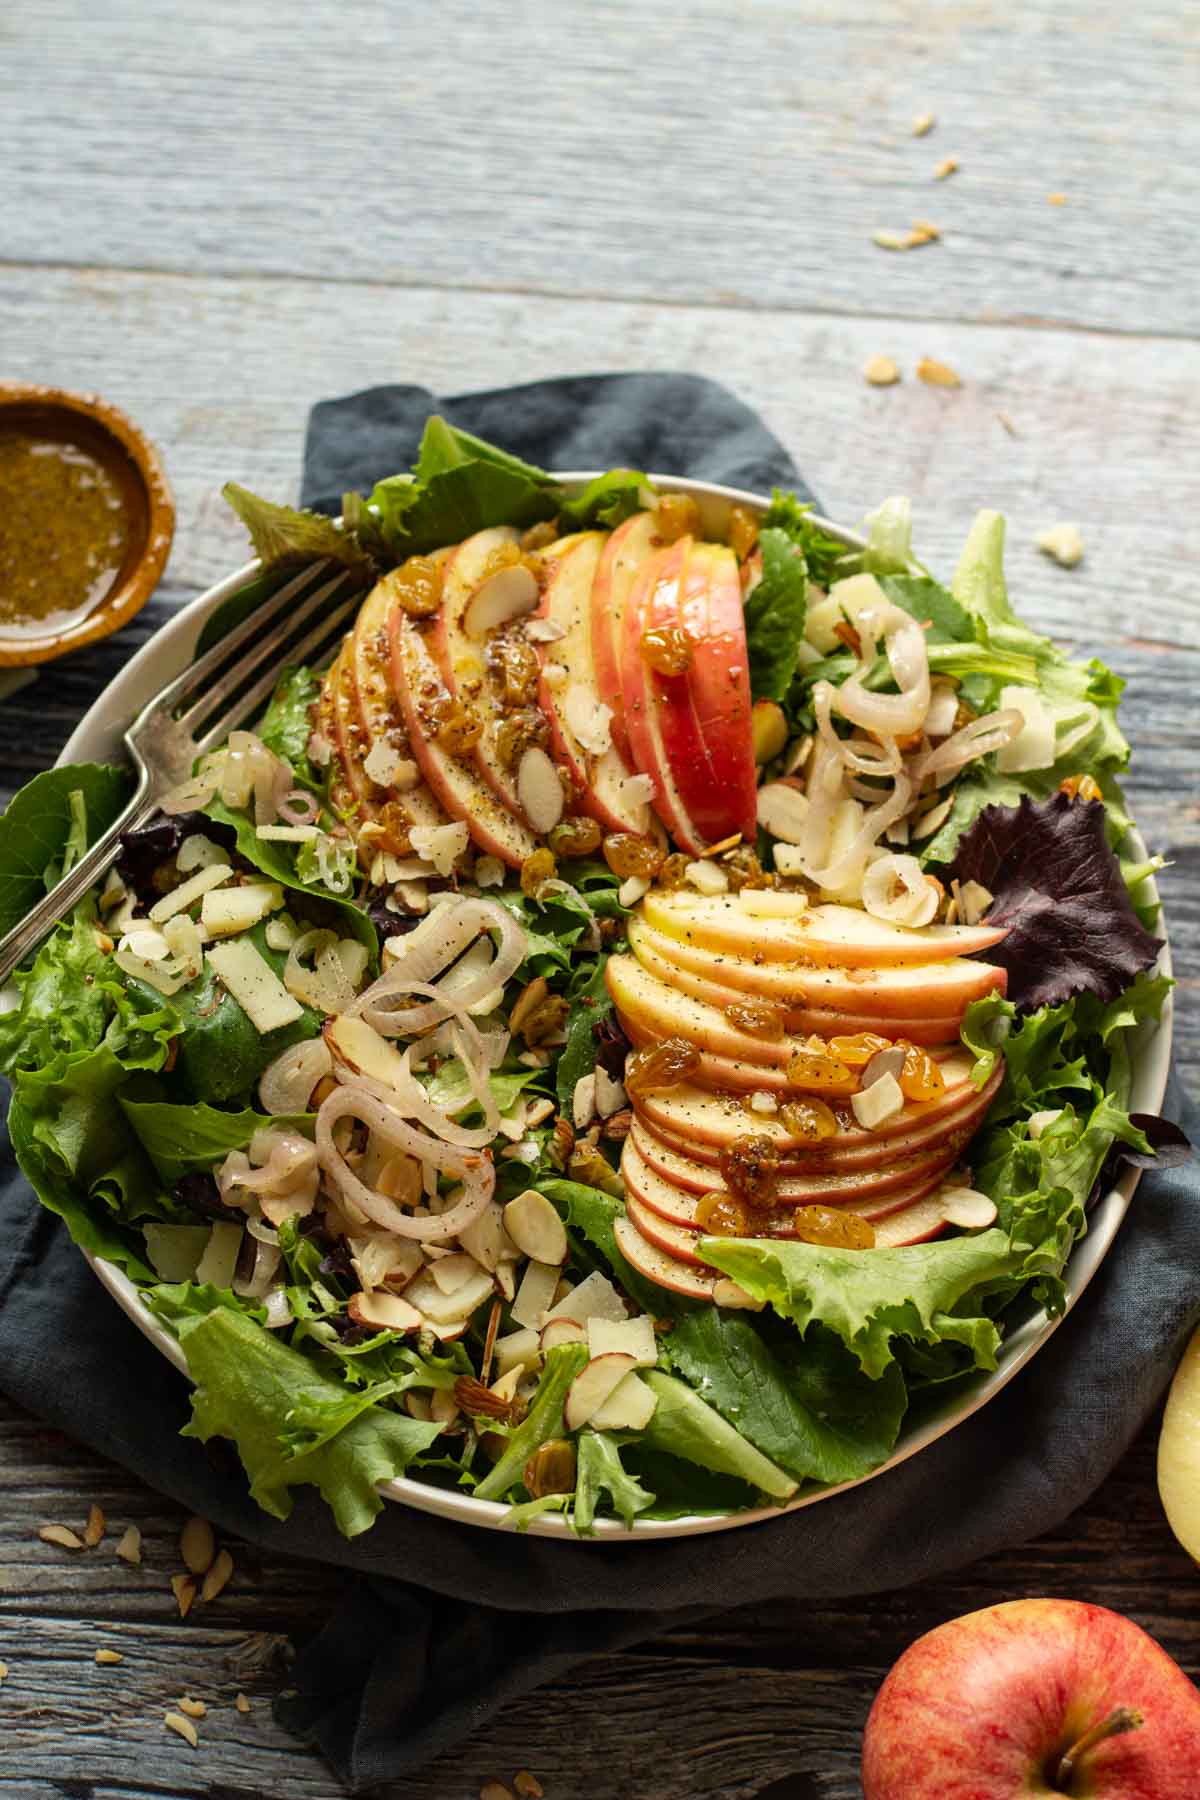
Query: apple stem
[(1121, 1718)]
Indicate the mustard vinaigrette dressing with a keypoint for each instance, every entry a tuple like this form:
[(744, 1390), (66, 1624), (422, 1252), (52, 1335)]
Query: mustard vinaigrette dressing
[(71, 517)]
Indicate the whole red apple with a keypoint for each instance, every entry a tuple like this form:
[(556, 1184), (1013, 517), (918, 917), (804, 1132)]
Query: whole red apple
[(1034, 1697)]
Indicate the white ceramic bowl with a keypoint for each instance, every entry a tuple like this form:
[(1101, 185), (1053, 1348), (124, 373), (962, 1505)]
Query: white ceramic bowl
[(98, 739)]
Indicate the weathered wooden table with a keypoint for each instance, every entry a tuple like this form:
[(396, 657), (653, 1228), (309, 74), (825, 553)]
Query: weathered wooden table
[(218, 214)]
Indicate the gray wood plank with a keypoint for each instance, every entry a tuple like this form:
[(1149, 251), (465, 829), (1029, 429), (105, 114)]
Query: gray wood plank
[(751, 1698), (720, 153)]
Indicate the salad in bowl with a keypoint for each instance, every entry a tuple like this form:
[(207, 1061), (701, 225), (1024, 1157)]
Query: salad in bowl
[(649, 1014)]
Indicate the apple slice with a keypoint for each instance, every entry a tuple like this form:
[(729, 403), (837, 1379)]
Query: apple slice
[(700, 779), (719, 680), (846, 935), (383, 1312), (592, 1387), (625, 550), (837, 1187), (660, 1011), (694, 1117), (663, 734), (630, 1407), (461, 655), (803, 1020), (457, 783), (378, 712), (337, 718), (569, 693), (923, 991), (656, 1266), (562, 1331), (679, 1241)]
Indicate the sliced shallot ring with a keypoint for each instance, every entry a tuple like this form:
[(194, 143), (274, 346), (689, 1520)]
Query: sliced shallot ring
[(438, 941), (474, 1171), (298, 807), (889, 715), (293, 1075), (884, 757), (877, 820), (979, 738)]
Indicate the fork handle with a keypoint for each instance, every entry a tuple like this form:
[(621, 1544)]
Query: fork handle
[(37, 924)]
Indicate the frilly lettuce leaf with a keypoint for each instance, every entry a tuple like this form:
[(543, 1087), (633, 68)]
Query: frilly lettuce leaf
[(542, 1422), (920, 1292), (459, 486), (599, 1470), (825, 557), (294, 1426), (606, 502), (292, 534), (1057, 890)]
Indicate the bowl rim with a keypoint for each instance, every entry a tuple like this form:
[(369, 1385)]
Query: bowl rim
[(128, 597), (99, 733)]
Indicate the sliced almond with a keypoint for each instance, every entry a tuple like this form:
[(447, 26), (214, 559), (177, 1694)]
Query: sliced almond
[(732, 1295), (884, 1062), (783, 811), (62, 1535), (937, 374), (583, 1102), (539, 790), (182, 1728), (535, 1227), (878, 371), (508, 594), (108, 1658), (217, 1578), (966, 1207), (193, 1709), (527, 1785), (197, 1545), (706, 877), (184, 1589), (129, 1549), (610, 1094), (93, 1531), (242, 1704), (383, 1312)]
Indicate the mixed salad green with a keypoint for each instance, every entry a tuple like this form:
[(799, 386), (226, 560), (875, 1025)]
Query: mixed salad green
[(134, 1097)]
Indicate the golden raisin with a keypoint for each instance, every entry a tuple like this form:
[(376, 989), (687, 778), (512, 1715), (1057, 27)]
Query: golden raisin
[(758, 1017), (673, 873), (1081, 787), (591, 1168), (578, 836), (750, 1166), (518, 732), (742, 534), (667, 650), (816, 1073), (537, 869), (394, 826), (459, 729), (831, 1226), (723, 1215), (418, 586), (504, 556), (551, 1469), (809, 1119), (513, 665), (662, 1067), (545, 1019), (675, 516), (540, 535), (745, 871), (857, 1051), (919, 1077), (627, 853)]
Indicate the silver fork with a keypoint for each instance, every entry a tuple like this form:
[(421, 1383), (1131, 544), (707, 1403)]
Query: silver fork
[(163, 742)]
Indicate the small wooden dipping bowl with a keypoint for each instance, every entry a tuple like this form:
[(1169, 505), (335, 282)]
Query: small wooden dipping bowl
[(134, 471)]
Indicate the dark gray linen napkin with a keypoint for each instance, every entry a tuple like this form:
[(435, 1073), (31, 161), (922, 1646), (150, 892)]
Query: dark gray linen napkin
[(441, 1623)]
